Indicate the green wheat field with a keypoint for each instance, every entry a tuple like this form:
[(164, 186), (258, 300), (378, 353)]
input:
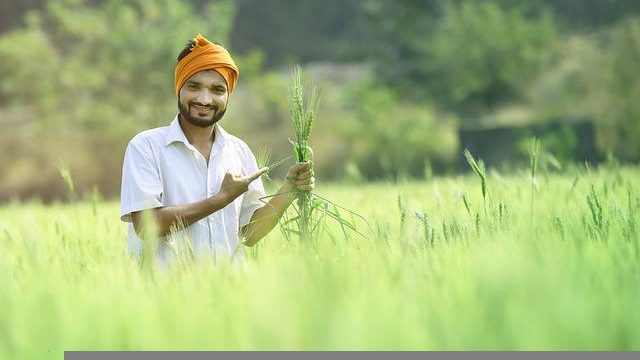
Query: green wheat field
[(553, 266)]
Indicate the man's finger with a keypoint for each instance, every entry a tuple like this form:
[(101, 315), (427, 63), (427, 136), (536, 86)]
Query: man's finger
[(259, 173), (305, 182), (304, 175), (297, 168), (306, 187)]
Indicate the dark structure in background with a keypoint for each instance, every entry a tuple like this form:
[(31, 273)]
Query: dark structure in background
[(506, 147)]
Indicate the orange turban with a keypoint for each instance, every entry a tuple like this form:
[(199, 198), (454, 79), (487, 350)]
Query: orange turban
[(206, 55)]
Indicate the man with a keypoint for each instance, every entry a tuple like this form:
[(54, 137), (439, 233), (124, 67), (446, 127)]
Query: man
[(193, 175)]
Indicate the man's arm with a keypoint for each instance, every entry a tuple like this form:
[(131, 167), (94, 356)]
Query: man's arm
[(179, 215), (299, 177), (186, 214)]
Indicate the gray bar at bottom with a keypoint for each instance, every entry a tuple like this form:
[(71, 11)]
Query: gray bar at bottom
[(349, 355)]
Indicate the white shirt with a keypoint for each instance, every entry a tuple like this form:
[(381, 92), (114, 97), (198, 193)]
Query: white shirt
[(161, 168)]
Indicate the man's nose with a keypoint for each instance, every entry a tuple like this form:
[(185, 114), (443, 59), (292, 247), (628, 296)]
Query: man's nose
[(205, 97)]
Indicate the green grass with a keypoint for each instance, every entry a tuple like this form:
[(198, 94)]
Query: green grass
[(450, 277)]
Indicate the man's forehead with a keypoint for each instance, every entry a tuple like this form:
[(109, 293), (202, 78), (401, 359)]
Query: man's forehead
[(208, 77)]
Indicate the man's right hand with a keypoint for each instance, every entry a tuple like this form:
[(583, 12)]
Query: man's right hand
[(234, 185), (187, 214)]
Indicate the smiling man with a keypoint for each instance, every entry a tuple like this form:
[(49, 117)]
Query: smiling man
[(193, 177)]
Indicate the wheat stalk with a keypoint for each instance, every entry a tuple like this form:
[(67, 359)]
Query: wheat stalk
[(303, 112), (478, 168)]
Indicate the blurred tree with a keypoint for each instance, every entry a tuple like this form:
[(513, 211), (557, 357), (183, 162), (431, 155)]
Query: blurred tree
[(391, 138), (573, 15), (300, 31), (470, 57), (12, 12), (621, 113), (587, 15), (594, 76)]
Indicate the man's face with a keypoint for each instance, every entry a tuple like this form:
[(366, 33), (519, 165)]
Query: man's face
[(203, 98)]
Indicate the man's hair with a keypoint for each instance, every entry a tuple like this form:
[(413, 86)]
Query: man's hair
[(187, 49)]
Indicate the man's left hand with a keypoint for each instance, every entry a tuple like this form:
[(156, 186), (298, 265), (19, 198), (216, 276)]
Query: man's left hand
[(300, 177)]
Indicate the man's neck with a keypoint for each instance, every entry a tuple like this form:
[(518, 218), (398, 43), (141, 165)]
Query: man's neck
[(196, 135)]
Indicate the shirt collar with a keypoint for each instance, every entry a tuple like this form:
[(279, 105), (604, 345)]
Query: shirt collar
[(176, 134)]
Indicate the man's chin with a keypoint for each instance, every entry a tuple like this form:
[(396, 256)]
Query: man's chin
[(203, 123), (200, 122)]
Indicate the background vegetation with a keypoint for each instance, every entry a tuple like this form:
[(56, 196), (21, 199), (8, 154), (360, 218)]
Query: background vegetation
[(399, 78)]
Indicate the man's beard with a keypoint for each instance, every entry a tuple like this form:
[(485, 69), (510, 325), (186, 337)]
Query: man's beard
[(199, 122)]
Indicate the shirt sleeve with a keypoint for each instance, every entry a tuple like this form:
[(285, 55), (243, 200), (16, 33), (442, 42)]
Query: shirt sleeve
[(253, 199), (141, 182)]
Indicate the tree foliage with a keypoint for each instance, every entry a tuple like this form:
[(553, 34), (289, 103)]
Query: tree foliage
[(469, 57)]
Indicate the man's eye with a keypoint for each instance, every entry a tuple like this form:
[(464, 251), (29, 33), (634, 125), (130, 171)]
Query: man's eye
[(192, 86)]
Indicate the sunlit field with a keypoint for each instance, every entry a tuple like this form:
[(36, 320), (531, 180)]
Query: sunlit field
[(549, 267)]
